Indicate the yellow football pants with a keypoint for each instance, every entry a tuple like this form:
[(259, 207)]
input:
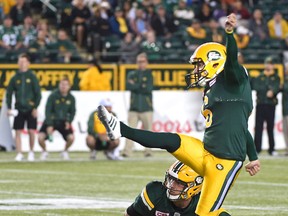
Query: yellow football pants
[(219, 174)]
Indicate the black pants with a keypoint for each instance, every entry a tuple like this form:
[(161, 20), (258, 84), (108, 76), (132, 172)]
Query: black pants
[(264, 113)]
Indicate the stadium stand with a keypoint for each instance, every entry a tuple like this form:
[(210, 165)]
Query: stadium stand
[(173, 47)]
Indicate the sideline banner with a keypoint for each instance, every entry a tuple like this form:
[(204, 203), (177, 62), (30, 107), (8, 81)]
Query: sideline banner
[(172, 76), (174, 111)]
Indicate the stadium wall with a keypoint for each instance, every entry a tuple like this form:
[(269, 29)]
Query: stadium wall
[(174, 111)]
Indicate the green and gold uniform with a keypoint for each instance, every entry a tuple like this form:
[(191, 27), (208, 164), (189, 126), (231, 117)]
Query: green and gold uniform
[(59, 108), (265, 108), (141, 90), (27, 91), (10, 36), (153, 201), (227, 104)]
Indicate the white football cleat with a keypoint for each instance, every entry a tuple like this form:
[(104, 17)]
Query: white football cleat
[(111, 123), (30, 156), (19, 157), (44, 156), (65, 155)]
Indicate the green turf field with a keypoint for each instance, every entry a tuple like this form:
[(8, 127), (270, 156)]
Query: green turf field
[(106, 188)]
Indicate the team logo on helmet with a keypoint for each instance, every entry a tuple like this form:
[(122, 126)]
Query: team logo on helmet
[(213, 55)]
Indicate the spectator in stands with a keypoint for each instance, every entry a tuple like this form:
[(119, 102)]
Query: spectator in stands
[(241, 12), (97, 27), (139, 25), (97, 138), (28, 31), (183, 13), (242, 37), (163, 23), (118, 23), (257, 26), (43, 26), (196, 30), (277, 26), (19, 11), (220, 13), (150, 13), (65, 15), (129, 48), (196, 34), (5, 7), (215, 33), (151, 45), (25, 85), (205, 14), (79, 16), (93, 79), (129, 10), (140, 83), (38, 49), (284, 89), (267, 86), (59, 114), (10, 39), (63, 50), (105, 10)]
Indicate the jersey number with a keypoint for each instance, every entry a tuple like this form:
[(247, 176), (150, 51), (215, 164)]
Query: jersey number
[(208, 117)]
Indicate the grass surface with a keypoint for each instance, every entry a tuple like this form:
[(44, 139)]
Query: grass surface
[(106, 188)]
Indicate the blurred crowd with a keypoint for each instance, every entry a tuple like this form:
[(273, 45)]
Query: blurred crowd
[(116, 30)]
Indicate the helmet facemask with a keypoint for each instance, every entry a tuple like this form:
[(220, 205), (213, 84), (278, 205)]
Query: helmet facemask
[(198, 75), (208, 61), (176, 189), (180, 190)]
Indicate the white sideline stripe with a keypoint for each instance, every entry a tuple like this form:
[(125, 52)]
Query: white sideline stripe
[(126, 176), (78, 203), (63, 196), (64, 203), (13, 181), (41, 172)]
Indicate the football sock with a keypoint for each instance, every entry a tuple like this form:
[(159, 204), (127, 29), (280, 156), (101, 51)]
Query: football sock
[(169, 141)]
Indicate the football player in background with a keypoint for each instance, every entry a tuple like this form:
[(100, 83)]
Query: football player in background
[(177, 195), (97, 138), (227, 104), (25, 85), (59, 113)]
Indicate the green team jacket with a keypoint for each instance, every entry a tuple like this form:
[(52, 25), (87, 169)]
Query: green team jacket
[(153, 201), (262, 84), (141, 90), (285, 97), (59, 108), (229, 104), (27, 91)]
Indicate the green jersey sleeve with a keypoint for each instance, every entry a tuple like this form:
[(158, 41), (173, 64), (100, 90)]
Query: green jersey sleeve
[(234, 73), (145, 203), (251, 149)]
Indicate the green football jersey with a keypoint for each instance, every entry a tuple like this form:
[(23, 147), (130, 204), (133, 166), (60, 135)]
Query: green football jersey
[(227, 106), (9, 36), (153, 201)]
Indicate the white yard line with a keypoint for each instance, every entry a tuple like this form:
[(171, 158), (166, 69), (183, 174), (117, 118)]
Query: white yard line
[(81, 203), (41, 172)]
